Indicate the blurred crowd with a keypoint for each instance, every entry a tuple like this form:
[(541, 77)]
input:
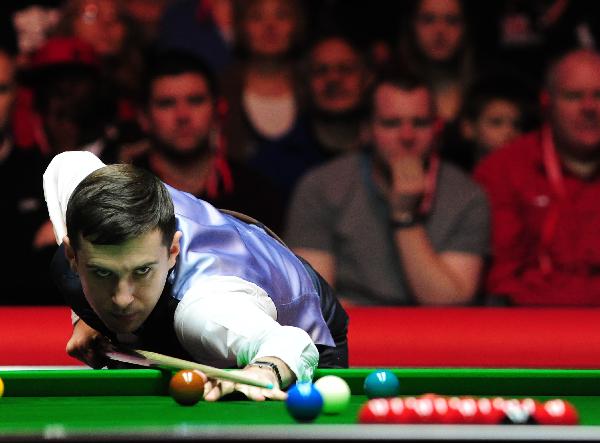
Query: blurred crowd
[(426, 152)]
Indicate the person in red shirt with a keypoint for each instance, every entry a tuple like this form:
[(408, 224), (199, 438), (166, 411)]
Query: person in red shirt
[(544, 191)]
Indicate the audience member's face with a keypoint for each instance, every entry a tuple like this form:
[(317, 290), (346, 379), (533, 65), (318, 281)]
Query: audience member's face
[(7, 88), (269, 26), (575, 103), (147, 13), (99, 24), (181, 111), (402, 123), (123, 283), (498, 124), (338, 77), (68, 111), (439, 29)]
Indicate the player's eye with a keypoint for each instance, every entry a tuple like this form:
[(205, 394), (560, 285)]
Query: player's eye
[(145, 270), (102, 273)]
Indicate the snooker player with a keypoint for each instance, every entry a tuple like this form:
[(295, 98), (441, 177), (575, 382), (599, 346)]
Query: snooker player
[(143, 264)]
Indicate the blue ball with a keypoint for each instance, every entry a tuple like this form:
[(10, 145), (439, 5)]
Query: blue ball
[(304, 402), (382, 383)]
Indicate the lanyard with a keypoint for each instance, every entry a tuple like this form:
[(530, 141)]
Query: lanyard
[(557, 183)]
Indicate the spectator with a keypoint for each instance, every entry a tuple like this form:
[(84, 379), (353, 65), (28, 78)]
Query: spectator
[(116, 38), (147, 14), (436, 44), (202, 27), (264, 92), (496, 109), (544, 192), (21, 202), (393, 225), (338, 80), (72, 110), (525, 34), (186, 144)]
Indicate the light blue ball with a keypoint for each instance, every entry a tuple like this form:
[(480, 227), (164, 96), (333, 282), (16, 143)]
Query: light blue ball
[(382, 383)]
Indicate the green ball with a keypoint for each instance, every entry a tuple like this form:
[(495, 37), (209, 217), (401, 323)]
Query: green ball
[(335, 392)]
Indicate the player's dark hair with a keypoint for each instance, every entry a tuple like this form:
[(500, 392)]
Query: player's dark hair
[(117, 203), (176, 62)]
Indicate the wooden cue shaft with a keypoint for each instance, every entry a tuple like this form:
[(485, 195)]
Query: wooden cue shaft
[(178, 363)]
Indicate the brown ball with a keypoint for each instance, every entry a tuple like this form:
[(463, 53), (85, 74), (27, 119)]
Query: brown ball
[(187, 386)]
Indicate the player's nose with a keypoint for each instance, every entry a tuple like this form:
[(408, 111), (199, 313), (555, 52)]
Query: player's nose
[(123, 295)]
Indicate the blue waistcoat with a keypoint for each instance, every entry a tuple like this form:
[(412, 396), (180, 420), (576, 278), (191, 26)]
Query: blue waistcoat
[(218, 244)]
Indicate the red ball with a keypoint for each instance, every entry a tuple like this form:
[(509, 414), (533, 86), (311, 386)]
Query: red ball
[(400, 413), (557, 412), (376, 410), (187, 386)]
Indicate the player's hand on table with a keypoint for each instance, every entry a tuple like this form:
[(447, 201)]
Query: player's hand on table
[(86, 345), (215, 389)]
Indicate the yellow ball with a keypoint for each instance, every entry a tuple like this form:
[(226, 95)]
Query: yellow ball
[(1, 388)]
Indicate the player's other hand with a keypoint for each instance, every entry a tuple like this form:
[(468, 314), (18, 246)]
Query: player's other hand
[(215, 389), (86, 345)]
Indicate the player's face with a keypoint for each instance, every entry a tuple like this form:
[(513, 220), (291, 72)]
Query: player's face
[(439, 28), (403, 122), (123, 283), (575, 104), (338, 78), (7, 88), (269, 27), (181, 111), (498, 124)]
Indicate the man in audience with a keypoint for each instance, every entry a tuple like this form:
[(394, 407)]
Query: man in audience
[(544, 192), (338, 81), (186, 146), (21, 201), (393, 225)]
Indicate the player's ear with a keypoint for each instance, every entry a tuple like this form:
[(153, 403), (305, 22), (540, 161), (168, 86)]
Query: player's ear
[(70, 254), (175, 248)]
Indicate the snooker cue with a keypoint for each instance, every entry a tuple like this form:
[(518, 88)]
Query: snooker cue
[(211, 372)]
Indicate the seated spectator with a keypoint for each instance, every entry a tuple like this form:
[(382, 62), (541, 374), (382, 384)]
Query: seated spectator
[(338, 80), (186, 146), (264, 92), (544, 190), (21, 201), (147, 14), (496, 110), (436, 44), (525, 34), (71, 108), (116, 39), (203, 27), (393, 225)]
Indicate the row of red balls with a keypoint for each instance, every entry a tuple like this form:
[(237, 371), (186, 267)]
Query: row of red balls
[(435, 409)]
